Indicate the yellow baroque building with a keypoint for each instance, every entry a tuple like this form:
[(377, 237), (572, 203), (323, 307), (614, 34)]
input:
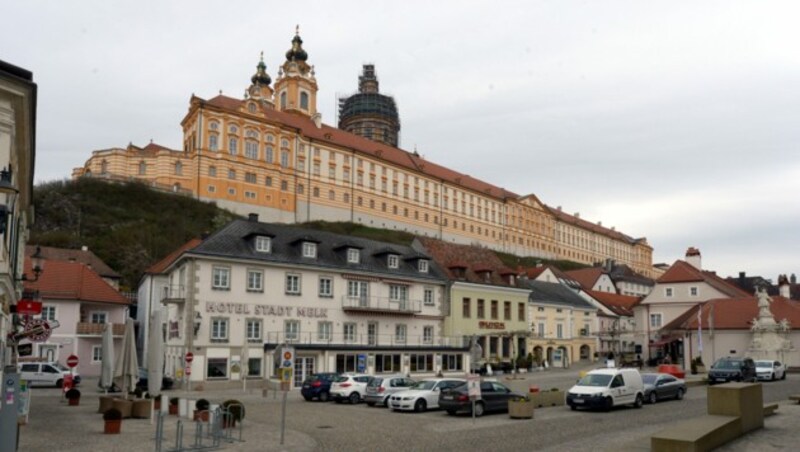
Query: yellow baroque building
[(270, 154)]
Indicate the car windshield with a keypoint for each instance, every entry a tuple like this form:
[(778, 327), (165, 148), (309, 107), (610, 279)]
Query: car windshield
[(728, 364), (767, 364), (595, 380), (649, 379), (426, 385)]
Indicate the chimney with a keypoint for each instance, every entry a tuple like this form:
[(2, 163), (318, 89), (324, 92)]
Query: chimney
[(577, 215), (693, 258), (784, 287), (558, 208), (793, 279), (252, 217), (742, 277)]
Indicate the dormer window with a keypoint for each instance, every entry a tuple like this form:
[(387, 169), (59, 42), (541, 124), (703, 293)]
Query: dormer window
[(309, 249), (263, 244), (353, 256), (393, 261), (422, 266)]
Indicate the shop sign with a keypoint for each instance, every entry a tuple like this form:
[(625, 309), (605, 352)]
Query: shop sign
[(274, 311), (491, 325)]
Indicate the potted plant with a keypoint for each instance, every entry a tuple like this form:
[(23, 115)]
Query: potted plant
[(173, 405), (234, 412), (74, 397), (201, 410), (113, 421), (697, 365), (520, 407)]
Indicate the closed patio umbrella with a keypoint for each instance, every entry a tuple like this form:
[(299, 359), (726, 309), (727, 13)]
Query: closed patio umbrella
[(155, 354), (245, 363), (127, 369), (107, 366)]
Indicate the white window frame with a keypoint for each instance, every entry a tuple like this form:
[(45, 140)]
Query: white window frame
[(104, 314), (423, 266), (263, 244), (220, 278), (325, 287), (293, 284), (48, 312), (669, 292), (309, 250), (353, 256), (255, 280), (393, 261), (219, 329), (291, 330), (560, 331), (427, 297), (653, 317), (324, 331), (427, 335), (349, 336), (398, 292), (254, 334), (213, 142), (694, 289), (400, 333), (97, 354)]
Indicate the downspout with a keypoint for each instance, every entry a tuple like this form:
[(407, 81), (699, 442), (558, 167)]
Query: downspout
[(441, 209), (647, 338)]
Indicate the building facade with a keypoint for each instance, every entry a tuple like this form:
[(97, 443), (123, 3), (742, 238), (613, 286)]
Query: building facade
[(345, 304), (270, 153)]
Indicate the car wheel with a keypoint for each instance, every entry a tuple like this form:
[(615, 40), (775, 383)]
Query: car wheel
[(59, 383), (451, 412), (679, 395), (386, 403), (479, 409), (420, 406), (639, 401), (354, 398), (324, 396), (609, 404), (653, 397), (308, 399), (773, 377)]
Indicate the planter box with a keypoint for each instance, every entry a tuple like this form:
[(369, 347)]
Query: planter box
[(521, 410), (141, 409), (74, 402), (112, 427), (548, 398), (124, 407), (105, 403)]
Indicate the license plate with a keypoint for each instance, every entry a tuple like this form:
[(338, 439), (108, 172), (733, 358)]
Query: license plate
[(578, 401), (306, 387), (447, 397)]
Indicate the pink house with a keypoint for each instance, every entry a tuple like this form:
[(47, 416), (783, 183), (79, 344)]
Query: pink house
[(82, 302)]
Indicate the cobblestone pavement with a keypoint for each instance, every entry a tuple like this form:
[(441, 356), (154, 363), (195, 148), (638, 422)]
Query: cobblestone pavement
[(313, 426)]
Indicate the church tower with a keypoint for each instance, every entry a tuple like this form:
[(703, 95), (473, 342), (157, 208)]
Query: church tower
[(296, 86), (369, 113), (259, 88)]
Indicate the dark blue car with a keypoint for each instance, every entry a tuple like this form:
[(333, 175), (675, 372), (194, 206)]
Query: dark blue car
[(318, 386)]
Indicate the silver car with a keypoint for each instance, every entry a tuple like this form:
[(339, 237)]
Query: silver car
[(659, 386), (381, 387)]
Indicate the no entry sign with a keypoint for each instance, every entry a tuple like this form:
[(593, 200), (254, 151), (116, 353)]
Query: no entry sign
[(72, 361), (189, 357)]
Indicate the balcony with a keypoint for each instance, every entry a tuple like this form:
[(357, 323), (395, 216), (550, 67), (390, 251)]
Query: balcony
[(96, 329), (381, 305), (364, 339), (173, 294)]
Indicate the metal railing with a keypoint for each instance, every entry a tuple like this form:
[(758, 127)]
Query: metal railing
[(384, 304), (315, 338), (176, 293), (96, 329)]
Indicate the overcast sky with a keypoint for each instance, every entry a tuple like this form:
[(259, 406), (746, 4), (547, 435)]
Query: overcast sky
[(674, 120)]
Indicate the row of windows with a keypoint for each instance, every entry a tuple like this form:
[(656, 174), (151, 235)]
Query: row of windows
[(692, 291), (466, 310)]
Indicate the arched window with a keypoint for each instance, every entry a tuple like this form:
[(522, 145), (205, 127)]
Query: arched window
[(304, 100), (212, 171), (233, 143), (214, 125), (285, 159), (283, 100), (251, 149), (142, 168), (268, 154), (178, 168), (213, 142)]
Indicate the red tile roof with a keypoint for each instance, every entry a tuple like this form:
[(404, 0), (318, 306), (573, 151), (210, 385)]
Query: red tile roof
[(682, 271), (162, 265), (62, 280), (734, 313), (586, 277), (612, 233), (67, 255), (618, 304), (375, 149), (473, 258)]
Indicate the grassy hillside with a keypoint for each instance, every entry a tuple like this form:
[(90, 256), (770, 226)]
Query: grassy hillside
[(128, 225)]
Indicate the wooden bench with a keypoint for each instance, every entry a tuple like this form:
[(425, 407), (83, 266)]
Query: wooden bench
[(703, 433), (770, 409), (795, 397)]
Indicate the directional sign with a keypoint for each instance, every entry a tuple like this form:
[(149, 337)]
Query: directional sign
[(189, 357), (72, 361)]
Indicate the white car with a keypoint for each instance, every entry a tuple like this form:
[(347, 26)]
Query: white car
[(770, 370), (607, 388), (424, 395), (350, 387), (46, 374)]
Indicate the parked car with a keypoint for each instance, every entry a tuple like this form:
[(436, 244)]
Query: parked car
[(732, 369), (662, 386), (350, 387), (424, 395), (770, 370), (607, 388), (494, 397), (318, 386), (382, 387), (46, 374), (166, 382)]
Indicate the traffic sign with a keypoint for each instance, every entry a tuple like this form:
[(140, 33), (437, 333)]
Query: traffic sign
[(287, 357), (72, 361), (28, 306), (189, 357), (188, 370)]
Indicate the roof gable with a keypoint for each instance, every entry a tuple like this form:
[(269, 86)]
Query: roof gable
[(555, 293), (73, 281), (480, 265), (734, 314)]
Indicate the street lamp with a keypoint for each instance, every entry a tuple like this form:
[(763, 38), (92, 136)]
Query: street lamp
[(37, 266), (198, 320)]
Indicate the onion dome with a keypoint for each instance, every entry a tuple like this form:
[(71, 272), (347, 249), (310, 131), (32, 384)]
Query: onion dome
[(261, 77), (296, 53)]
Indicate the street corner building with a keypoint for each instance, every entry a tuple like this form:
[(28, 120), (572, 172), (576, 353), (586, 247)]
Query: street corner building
[(270, 153), (345, 304)]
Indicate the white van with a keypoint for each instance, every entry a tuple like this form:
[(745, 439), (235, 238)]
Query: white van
[(607, 388), (46, 374)]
